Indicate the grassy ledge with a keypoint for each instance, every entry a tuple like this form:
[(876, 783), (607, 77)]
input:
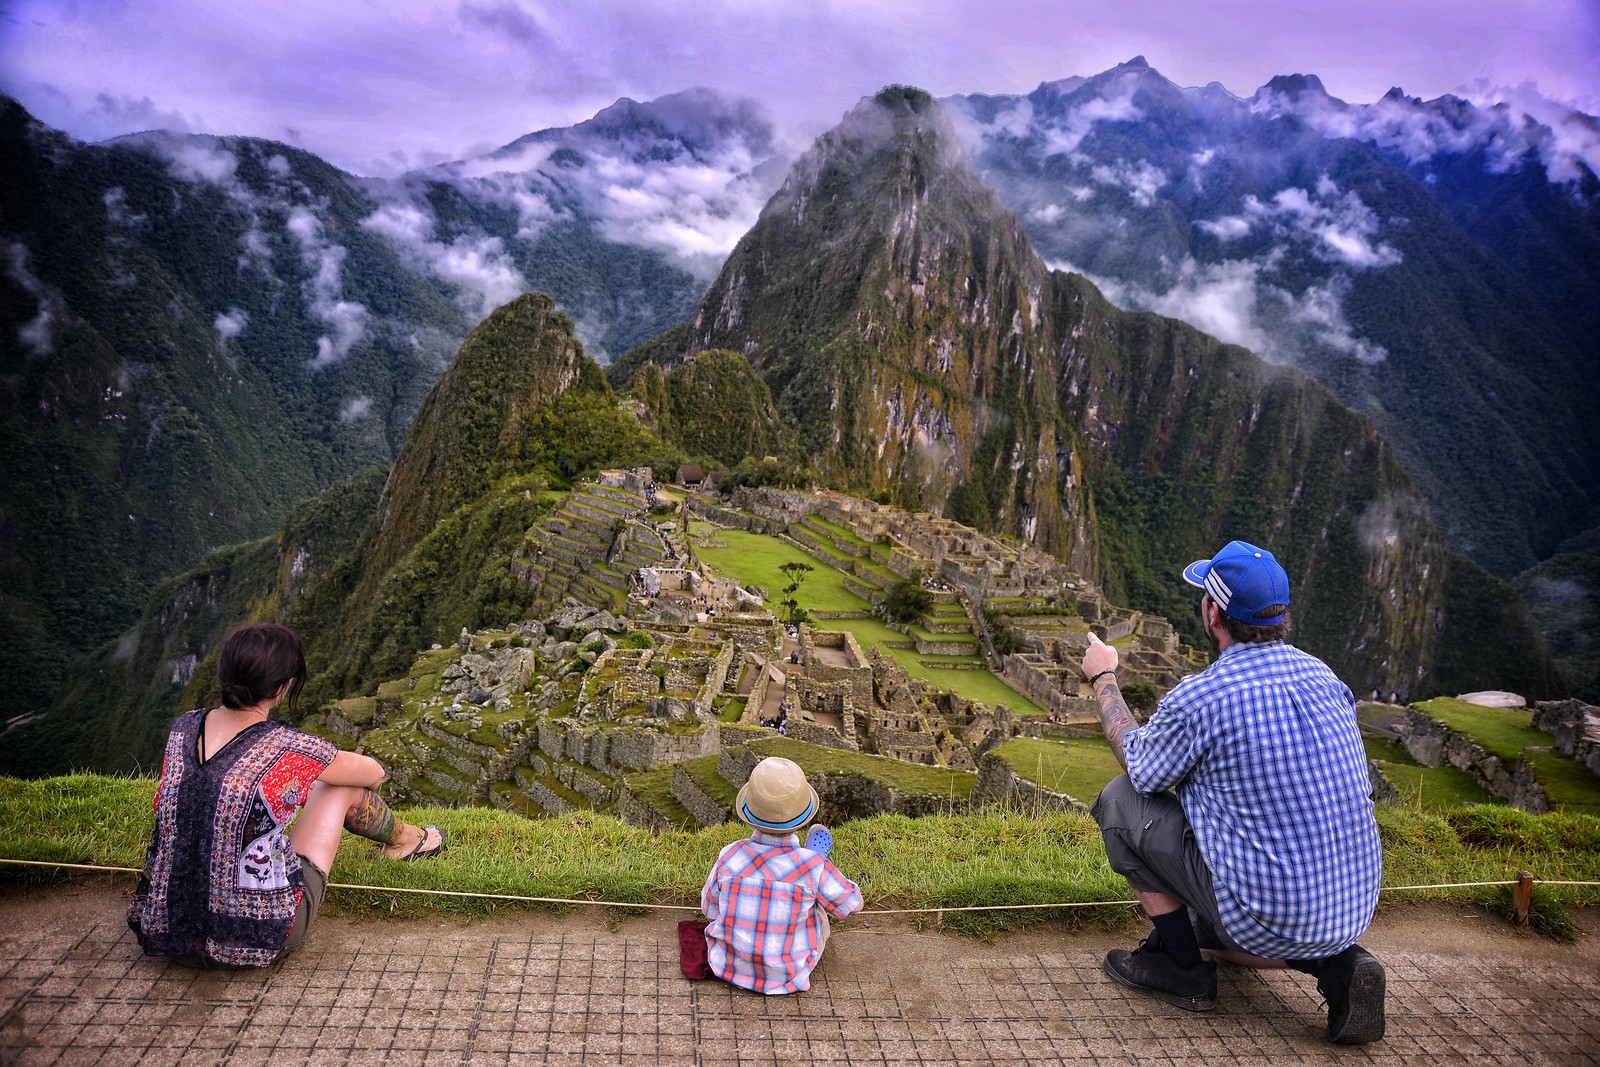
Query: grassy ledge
[(939, 862)]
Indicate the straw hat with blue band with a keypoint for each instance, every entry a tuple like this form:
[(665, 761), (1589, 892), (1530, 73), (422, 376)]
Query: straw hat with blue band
[(1243, 580), (777, 797)]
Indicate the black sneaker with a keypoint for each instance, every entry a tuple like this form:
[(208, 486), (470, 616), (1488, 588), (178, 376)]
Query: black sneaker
[(1149, 970), (1352, 983)]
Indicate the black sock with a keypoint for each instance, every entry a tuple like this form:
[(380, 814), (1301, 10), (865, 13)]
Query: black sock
[(1311, 967), (1177, 938)]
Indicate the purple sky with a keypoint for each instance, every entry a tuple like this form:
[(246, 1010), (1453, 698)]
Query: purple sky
[(378, 85)]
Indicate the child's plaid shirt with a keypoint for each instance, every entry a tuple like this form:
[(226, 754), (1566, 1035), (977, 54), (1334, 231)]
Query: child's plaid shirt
[(761, 898)]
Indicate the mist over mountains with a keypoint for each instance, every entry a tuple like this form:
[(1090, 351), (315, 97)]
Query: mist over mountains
[(196, 332)]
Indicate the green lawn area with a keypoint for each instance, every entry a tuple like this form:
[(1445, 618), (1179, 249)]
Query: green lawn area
[(1425, 788), (907, 777), (1077, 766), (1502, 732), (995, 857), (1508, 733), (654, 787), (842, 533), (703, 772), (755, 558), (1568, 785)]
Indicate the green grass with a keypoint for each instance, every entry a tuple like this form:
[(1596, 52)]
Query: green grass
[(755, 558), (1502, 732), (654, 787), (1567, 784), (842, 533), (1000, 858), (1508, 733), (703, 772), (1079, 767), (1425, 788)]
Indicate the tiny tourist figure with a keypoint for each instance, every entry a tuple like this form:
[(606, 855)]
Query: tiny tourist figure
[(1269, 837), (768, 898), (232, 877)]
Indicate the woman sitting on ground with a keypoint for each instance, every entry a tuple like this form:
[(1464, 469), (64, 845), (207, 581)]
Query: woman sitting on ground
[(227, 880)]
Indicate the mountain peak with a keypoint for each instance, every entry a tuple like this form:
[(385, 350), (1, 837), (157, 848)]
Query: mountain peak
[(1294, 85), (904, 98)]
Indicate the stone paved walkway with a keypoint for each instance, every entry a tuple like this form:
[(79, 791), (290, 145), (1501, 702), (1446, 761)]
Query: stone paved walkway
[(531, 988)]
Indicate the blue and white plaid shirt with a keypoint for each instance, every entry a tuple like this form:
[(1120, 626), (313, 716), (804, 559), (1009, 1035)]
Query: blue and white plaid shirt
[(1264, 752)]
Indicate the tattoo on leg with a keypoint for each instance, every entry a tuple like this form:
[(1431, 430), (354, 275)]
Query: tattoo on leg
[(1115, 718), (371, 818)]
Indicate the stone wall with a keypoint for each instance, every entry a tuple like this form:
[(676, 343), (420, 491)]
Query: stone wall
[(856, 679), (852, 796), (636, 812), (999, 783), (1574, 724), (816, 734), (1039, 686), (625, 749), (1433, 744), (1383, 790), (706, 809), (735, 764), (597, 793)]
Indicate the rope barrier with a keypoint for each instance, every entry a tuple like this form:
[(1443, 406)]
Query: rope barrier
[(696, 907)]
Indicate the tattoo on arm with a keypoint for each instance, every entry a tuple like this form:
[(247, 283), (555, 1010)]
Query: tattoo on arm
[(1115, 718), (371, 818)]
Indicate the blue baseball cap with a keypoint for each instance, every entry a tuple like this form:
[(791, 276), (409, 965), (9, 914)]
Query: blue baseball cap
[(1243, 580)]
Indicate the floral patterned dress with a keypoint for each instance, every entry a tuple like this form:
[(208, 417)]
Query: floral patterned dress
[(220, 877)]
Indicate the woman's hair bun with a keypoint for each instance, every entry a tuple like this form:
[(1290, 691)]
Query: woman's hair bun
[(237, 696)]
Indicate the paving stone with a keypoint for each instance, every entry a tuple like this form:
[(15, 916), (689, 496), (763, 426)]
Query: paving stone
[(522, 987)]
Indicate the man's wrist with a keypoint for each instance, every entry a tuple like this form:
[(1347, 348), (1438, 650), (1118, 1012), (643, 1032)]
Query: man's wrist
[(1095, 678)]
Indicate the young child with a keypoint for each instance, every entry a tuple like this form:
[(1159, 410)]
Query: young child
[(767, 898)]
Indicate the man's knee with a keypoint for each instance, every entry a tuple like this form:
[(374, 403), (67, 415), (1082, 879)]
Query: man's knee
[(1115, 797)]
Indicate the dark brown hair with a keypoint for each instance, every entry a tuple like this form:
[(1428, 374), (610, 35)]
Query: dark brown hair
[(256, 661), (1246, 634)]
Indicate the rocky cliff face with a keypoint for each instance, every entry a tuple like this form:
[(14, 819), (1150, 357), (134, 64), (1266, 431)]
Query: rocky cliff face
[(921, 347)]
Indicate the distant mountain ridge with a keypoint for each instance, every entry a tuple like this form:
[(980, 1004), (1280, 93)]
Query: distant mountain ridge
[(1436, 265)]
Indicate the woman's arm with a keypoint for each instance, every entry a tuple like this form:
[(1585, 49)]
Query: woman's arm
[(353, 768)]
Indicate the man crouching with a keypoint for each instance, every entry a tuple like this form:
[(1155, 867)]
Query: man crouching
[(1270, 839), (767, 898)]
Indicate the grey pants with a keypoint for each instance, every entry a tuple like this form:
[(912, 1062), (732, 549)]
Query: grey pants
[(1150, 843)]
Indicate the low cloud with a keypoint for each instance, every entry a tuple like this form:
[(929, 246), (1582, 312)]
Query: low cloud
[(1140, 180), (1337, 226), (1232, 301), (230, 324), (37, 334), (1506, 123), (1064, 137), (477, 266), (116, 201), (324, 289), (358, 407), (197, 161)]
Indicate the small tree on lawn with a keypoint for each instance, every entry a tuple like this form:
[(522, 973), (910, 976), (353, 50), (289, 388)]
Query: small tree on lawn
[(793, 613)]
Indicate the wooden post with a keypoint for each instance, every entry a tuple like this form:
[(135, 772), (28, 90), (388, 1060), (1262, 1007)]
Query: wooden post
[(1522, 896)]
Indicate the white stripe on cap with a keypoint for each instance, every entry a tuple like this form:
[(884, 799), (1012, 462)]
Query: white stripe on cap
[(1218, 589)]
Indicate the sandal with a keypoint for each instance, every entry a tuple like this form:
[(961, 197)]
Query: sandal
[(820, 839), (420, 853)]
